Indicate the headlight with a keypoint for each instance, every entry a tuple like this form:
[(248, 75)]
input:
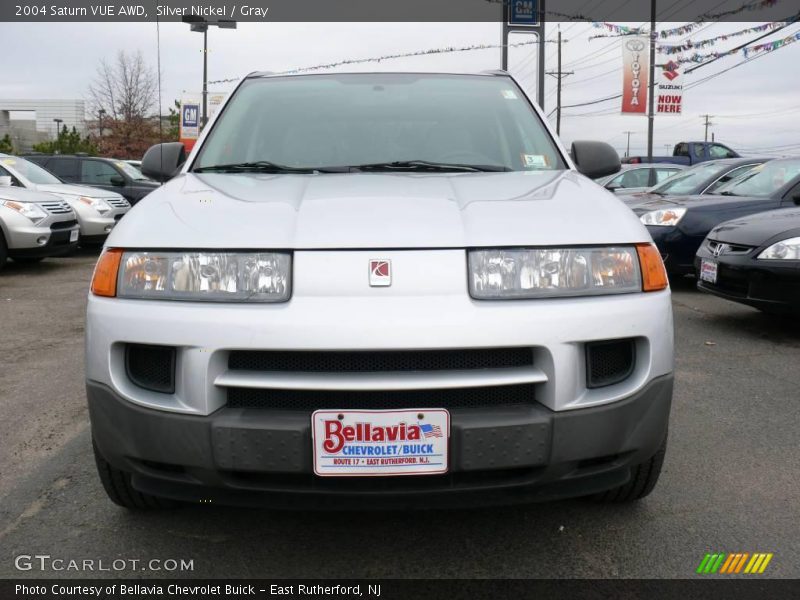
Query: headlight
[(783, 250), (666, 218), (553, 272), (205, 276), (31, 211), (99, 205)]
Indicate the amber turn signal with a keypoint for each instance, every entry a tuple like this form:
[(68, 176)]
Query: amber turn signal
[(654, 275), (104, 280)]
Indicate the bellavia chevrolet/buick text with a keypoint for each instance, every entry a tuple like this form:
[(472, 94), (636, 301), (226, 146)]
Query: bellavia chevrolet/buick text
[(389, 288)]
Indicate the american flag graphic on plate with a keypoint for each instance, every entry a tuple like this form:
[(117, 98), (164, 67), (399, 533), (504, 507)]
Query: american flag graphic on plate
[(430, 431)]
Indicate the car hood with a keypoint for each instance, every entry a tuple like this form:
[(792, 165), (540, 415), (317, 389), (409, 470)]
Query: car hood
[(759, 229), (20, 194), (378, 210), (68, 189), (654, 202)]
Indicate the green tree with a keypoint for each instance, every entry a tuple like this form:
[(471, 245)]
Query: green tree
[(6, 145), (67, 142)]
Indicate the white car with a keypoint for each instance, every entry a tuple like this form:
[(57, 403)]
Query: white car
[(98, 210), (34, 225), (390, 289)]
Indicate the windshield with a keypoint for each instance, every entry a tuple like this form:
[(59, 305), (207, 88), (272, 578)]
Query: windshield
[(323, 121), (130, 170), (763, 180), (31, 171), (686, 182)]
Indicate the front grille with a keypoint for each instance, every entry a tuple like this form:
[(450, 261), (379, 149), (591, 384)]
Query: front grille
[(56, 207), (151, 367), (117, 202), (63, 225), (309, 401), (609, 362), (719, 248), (384, 360)]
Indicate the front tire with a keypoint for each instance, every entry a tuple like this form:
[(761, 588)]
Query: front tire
[(643, 479), (117, 485), (3, 251)]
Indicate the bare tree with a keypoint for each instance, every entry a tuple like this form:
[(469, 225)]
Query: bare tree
[(124, 89), (122, 98)]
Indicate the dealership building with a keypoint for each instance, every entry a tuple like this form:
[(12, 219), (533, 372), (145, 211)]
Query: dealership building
[(28, 122)]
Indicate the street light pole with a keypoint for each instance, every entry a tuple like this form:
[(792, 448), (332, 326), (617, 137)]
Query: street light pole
[(201, 25), (58, 123)]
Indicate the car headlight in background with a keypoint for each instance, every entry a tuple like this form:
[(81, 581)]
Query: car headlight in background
[(783, 250), (98, 204), (194, 276), (665, 218), (31, 211), (554, 272)]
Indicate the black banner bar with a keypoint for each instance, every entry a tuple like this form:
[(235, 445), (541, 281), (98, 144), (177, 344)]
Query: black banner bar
[(112, 11)]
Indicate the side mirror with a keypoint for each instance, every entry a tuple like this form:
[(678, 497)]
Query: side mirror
[(595, 159), (5, 181), (161, 161), (117, 180), (613, 187)]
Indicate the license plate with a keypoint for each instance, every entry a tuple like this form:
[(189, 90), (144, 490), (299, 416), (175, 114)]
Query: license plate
[(73, 235), (708, 271), (375, 443)]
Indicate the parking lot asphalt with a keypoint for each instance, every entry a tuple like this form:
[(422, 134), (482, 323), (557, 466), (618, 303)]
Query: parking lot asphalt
[(730, 481)]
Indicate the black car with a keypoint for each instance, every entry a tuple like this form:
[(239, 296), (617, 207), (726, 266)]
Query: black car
[(755, 261), (680, 224), (704, 178), (104, 173)]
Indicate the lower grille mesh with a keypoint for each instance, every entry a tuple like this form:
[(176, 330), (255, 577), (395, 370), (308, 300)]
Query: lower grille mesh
[(309, 401)]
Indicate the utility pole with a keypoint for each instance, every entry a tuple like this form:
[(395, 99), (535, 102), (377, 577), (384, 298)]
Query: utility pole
[(651, 84), (558, 75), (628, 147), (707, 124)]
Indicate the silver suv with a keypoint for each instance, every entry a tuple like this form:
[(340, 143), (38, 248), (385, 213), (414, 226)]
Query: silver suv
[(34, 225), (98, 211), (391, 288)]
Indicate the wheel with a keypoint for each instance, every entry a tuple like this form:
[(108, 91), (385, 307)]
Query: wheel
[(28, 260), (643, 479), (117, 485), (3, 251)]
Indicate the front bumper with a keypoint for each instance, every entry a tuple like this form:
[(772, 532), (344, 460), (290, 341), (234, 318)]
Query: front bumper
[(24, 241), (771, 286), (263, 458), (677, 248)]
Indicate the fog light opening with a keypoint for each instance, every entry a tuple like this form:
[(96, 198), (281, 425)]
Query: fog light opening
[(42, 240)]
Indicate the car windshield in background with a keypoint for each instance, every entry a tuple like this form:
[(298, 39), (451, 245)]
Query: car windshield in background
[(686, 181), (379, 122), (763, 180), (130, 171), (31, 171)]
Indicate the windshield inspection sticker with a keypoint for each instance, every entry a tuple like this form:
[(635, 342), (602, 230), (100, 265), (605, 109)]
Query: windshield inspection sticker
[(534, 161), (510, 95)]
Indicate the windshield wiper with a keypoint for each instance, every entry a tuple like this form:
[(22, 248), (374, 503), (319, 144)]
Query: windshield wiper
[(260, 166), (425, 165), (727, 194)]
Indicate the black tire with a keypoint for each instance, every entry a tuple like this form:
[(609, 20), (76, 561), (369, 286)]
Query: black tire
[(643, 479), (3, 251), (117, 485), (28, 260)]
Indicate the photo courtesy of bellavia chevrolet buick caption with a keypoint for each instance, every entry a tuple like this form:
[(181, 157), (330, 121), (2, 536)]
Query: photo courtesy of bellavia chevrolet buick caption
[(395, 288)]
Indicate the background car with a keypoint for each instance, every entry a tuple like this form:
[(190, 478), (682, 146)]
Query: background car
[(754, 260), (105, 173), (680, 224), (97, 211), (636, 178), (34, 225), (705, 178)]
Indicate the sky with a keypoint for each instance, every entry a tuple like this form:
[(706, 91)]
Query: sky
[(755, 107)]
